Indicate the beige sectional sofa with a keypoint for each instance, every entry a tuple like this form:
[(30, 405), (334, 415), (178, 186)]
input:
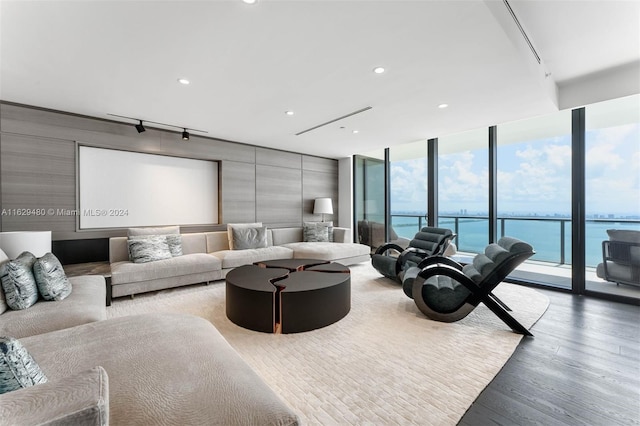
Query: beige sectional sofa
[(207, 257), (169, 369)]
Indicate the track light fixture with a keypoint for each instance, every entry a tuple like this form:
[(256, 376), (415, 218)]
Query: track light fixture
[(140, 128)]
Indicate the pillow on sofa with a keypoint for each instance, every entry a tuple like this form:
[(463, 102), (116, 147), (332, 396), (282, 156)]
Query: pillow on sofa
[(175, 244), (50, 277), (148, 249), (18, 282), (18, 369), (318, 232), (249, 238), (231, 226), (3, 304), (161, 230)]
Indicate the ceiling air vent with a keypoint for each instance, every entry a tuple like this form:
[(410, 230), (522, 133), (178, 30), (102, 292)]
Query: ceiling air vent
[(334, 120)]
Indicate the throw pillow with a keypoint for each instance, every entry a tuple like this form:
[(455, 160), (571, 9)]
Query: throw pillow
[(50, 277), (231, 226), (161, 230), (3, 303), (18, 282), (18, 369), (175, 244), (249, 238), (315, 232), (148, 249)]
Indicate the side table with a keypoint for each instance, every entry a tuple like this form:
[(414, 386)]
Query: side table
[(92, 268)]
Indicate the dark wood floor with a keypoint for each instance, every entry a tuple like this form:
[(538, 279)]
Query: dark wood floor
[(581, 368)]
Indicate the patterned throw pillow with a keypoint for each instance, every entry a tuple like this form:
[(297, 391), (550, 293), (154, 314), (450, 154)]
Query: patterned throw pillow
[(18, 282), (175, 244), (50, 277), (249, 238), (148, 248), (316, 232), (17, 368)]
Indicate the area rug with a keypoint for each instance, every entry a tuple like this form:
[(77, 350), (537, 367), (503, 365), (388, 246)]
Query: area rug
[(384, 363)]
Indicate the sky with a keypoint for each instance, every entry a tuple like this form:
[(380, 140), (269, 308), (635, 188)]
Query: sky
[(533, 177)]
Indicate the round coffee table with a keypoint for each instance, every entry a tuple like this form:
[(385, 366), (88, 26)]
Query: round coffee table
[(288, 295)]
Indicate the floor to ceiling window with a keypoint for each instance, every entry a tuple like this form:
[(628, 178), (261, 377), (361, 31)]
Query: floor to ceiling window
[(463, 198), (534, 192), (408, 190), (369, 200), (612, 187)]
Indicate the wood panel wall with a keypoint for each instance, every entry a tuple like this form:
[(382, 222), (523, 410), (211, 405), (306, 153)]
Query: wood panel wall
[(38, 171)]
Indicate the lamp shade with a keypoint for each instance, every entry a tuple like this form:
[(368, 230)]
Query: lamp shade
[(323, 206), (15, 242)]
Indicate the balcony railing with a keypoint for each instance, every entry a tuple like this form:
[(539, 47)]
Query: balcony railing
[(550, 236)]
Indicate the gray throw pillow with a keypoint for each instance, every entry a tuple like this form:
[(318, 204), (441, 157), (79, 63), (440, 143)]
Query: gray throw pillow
[(317, 231), (3, 303), (50, 277), (18, 282), (232, 226), (18, 369), (175, 244), (148, 249), (249, 238)]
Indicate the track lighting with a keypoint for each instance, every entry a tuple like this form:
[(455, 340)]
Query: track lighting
[(140, 128)]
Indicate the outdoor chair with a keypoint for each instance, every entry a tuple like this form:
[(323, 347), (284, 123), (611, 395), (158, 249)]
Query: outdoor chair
[(392, 260), (621, 257), (444, 290)]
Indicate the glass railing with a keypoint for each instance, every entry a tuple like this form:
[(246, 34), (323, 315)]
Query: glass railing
[(550, 236)]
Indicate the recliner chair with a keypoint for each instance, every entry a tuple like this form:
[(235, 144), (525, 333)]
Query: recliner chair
[(444, 290), (429, 241)]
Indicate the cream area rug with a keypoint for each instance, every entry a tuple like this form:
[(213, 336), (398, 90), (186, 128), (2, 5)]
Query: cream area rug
[(385, 363)]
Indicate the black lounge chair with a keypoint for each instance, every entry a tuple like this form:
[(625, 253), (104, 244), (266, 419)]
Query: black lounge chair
[(429, 241), (444, 290)]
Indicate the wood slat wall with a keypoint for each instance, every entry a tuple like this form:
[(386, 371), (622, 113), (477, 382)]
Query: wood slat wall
[(38, 170)]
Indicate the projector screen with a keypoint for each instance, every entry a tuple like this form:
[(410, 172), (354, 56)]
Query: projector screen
[(120, 189)]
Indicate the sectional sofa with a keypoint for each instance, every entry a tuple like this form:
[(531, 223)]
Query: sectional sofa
[(150, 369), (209, 256)]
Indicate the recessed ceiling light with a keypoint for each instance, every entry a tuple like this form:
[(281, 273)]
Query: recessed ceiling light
[(356, 131), (443, 106), (183, 81), (378, 70), (289, 112), (249, 1)]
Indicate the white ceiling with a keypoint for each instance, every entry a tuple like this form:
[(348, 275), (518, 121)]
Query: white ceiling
[(248, 64)]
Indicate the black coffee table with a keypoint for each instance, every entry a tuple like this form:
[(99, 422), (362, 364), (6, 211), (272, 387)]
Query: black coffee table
[(288, 295)]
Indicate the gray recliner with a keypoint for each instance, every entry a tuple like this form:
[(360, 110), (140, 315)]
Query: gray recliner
[(447, 291), (429, 241)]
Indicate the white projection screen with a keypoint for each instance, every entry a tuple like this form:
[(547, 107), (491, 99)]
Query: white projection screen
[(120, 189)]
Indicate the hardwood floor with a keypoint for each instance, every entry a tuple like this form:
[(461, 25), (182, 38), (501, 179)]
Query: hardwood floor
[(581, 368)]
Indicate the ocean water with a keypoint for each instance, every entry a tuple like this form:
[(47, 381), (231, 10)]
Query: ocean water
[(544, 235)]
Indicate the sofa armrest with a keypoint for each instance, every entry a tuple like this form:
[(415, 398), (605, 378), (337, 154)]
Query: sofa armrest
[(342, 235), (82, 398)]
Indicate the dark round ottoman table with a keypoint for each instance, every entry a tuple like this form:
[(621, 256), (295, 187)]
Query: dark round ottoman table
[(288, 295)]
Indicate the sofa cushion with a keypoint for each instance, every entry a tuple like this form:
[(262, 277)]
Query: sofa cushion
[(86, 303), (231, 226), (150, 248), (195, 263), (50, 277), (79, 399), (18, 282), (161, 230), (235, 258), (327, 251), (249, 238), (18, 369)]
